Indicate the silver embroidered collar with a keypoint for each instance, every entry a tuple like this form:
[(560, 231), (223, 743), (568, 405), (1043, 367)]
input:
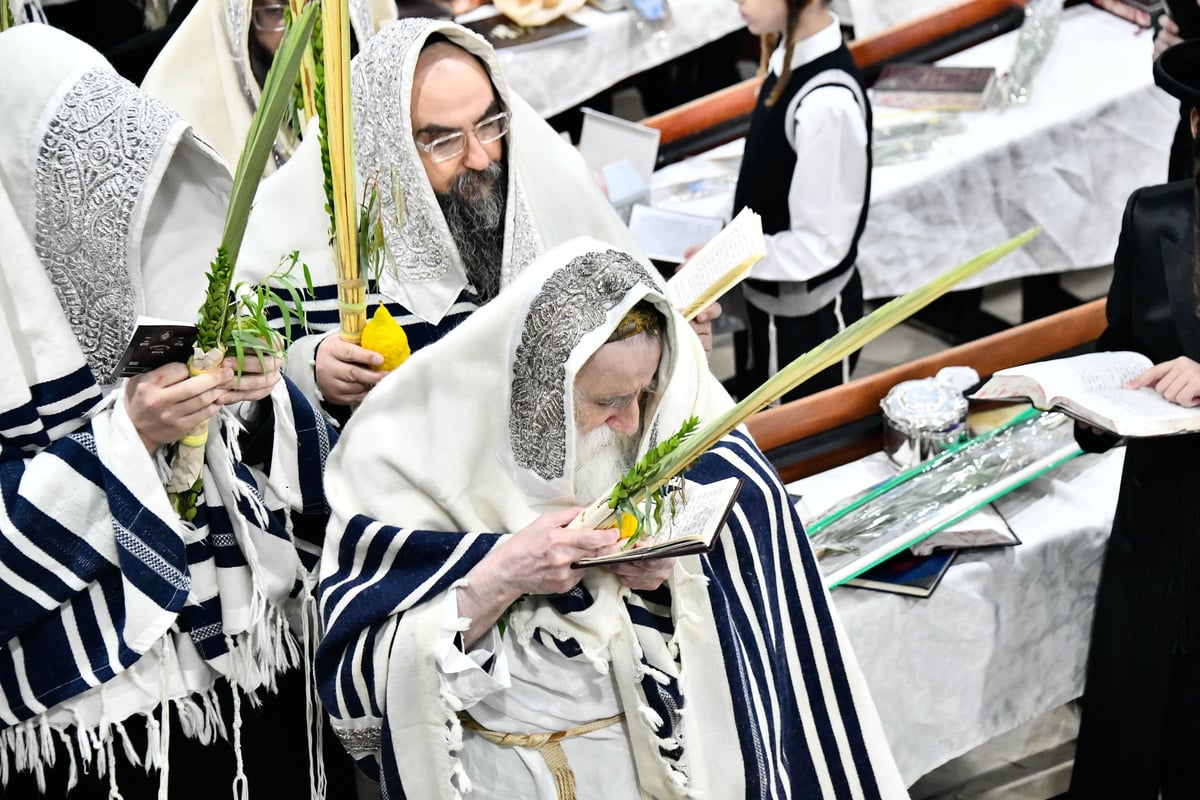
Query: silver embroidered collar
[(90, 175), (574, 300)]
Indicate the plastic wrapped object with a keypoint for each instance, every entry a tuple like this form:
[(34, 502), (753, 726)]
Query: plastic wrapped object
[(921, 501)]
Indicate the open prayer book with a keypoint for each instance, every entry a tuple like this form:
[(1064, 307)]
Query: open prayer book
[(719, 266), (691, 529), (1090, 388)]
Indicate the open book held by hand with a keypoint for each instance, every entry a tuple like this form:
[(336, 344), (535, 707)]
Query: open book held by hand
[(718, 266), (691, 529), (1091, 388)]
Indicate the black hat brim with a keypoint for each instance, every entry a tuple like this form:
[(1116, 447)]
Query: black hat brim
[(1177, 72)]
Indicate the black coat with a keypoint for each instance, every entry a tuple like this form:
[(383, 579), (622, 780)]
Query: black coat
[(1148, 603)]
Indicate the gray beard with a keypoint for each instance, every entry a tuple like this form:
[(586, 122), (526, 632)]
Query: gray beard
[(601, 458), (474, 211)]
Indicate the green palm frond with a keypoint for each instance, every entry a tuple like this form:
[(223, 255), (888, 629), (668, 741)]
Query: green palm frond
[(215, 319), (824, 355)]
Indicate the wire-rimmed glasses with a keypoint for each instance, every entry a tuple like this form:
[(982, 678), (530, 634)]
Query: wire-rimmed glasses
[(451, 145)]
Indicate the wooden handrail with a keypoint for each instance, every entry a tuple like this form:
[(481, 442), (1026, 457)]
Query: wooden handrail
[(860, 398), (739, 99)]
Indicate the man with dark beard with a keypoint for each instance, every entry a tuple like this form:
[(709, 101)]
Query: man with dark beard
[(473, 185)]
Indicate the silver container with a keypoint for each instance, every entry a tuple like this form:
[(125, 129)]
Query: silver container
[(922, 418)]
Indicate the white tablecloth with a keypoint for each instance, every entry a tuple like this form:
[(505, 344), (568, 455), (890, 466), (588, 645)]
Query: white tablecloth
[(555, 76), (1096, 129), (1003, 639), (869, 17)]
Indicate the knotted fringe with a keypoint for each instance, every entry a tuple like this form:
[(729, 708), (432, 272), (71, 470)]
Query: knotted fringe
[(317, 783), (30, 745)]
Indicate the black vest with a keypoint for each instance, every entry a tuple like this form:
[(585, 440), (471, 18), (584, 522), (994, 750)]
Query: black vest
[(769, 160)]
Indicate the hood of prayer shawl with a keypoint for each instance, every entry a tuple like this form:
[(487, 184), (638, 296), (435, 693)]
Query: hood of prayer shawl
[(422, 268), (204, 72), (552, 197), (94, 170), (466, 465)]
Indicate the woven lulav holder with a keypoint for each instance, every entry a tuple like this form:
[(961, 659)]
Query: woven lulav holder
[(189, 456), (352, 308)]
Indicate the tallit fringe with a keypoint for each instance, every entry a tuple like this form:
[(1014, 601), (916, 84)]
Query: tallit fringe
[(256, 658), (29, 746), (449, 706)]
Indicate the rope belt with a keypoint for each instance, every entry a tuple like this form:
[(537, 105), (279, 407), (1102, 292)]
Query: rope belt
[(547, 744)]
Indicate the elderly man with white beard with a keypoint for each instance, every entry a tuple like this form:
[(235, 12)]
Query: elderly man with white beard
[(464, 656)]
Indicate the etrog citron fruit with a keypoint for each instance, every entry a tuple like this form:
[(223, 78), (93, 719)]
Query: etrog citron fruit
[(385, 336), (629, 525)]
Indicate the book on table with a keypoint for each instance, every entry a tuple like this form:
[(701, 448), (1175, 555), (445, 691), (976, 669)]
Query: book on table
[(905, 573), (1091, 388), (933, 86), (692, 527), (983, 530), (718, 266)]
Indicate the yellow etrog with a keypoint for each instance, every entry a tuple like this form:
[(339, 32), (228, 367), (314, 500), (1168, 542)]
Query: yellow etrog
[(385, 336)]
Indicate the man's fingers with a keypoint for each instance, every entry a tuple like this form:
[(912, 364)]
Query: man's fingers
[(351, 353)]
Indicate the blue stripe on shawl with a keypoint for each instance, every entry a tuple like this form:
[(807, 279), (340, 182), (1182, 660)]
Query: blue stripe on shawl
[(747, 455), (346, 648), (77, 389), (314, 437), (833, 654), (419, 332), (646, 618), (205, 625)]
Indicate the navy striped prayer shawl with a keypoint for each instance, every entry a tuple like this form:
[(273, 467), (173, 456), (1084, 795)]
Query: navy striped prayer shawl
[(735, 676), (110, 605)]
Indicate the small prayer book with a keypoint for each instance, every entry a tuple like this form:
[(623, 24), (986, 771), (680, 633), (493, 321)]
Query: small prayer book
[(719, 266), (666, 235), (1091, 388), (156, 342), (933, 86), (693, 527), (905, 573)]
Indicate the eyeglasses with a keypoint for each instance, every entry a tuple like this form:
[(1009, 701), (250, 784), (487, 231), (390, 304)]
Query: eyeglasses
[(269, 18), (451, 145)]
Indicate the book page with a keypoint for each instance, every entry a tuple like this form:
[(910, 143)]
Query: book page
[(719, 266), (692, 529), (666, 235), (1133, 412), (1075, 377)]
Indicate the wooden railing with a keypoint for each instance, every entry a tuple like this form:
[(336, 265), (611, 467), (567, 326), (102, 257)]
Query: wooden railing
[(799, 436), (737, 101)]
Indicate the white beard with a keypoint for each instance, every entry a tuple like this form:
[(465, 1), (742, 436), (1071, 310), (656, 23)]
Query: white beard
[(601, 458)]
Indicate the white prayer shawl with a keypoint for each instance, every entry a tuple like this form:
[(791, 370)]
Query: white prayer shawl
[(735, 676), (113, 606), (552, 197), (204, 74)]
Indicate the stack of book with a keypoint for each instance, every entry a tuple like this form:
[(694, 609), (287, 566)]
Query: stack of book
[(934, 87)]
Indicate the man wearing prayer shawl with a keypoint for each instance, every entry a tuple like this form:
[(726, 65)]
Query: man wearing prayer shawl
[(212, 68), (723, 675), (116, 611), (456, 230)]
